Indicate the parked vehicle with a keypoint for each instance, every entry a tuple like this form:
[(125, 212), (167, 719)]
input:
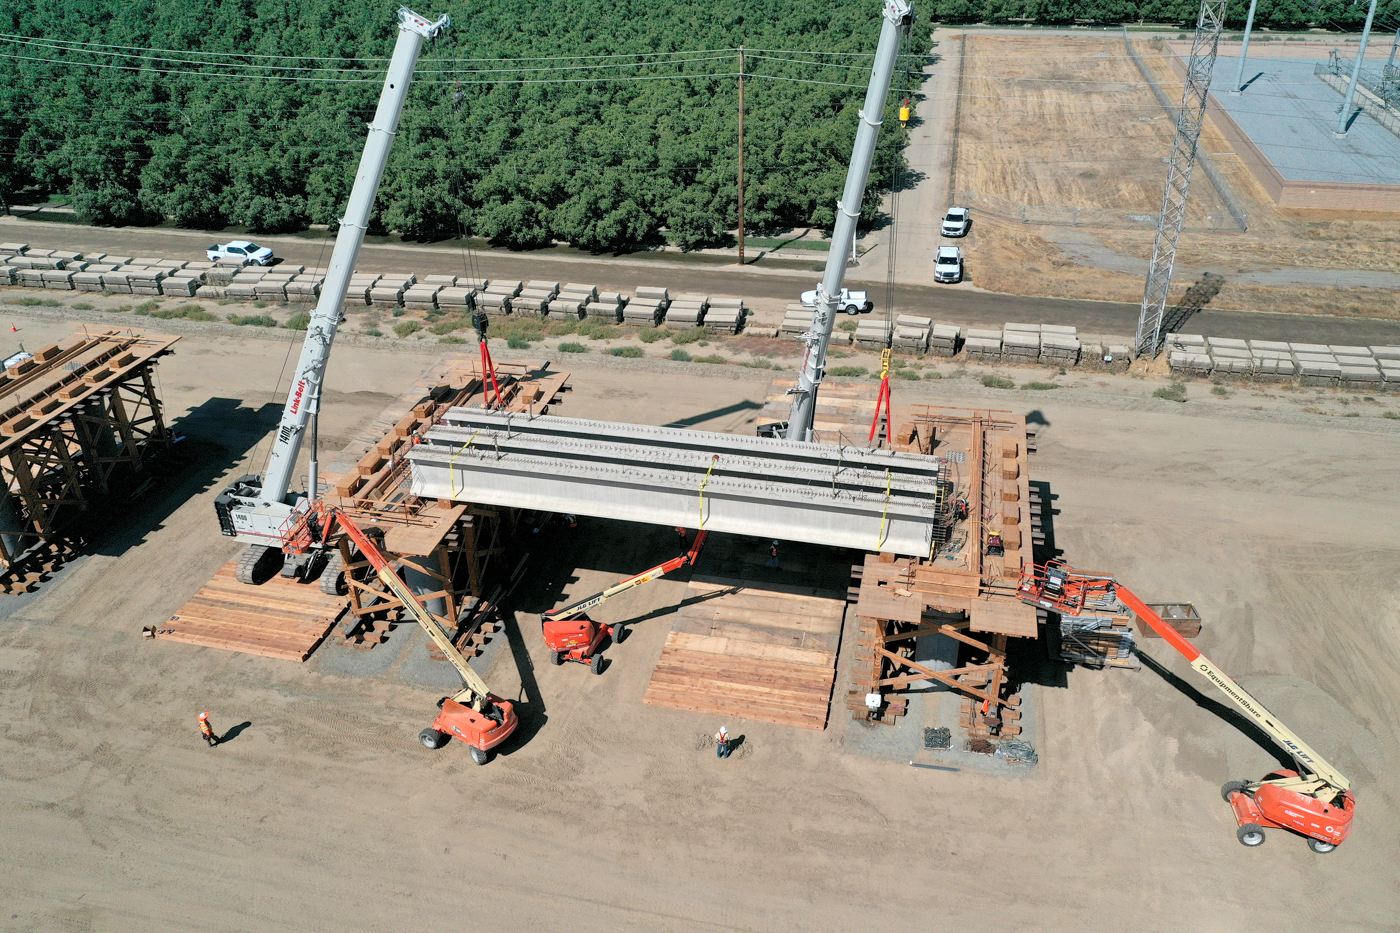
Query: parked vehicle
[(949, 265), (240, 250), (850, 302), (956, 222)]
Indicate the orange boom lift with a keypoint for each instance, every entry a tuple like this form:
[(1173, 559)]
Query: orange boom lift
[(1314, 801), (572, 636), (476, 716)]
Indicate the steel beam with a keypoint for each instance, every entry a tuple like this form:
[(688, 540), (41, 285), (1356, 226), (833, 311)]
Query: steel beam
[(870, 500)]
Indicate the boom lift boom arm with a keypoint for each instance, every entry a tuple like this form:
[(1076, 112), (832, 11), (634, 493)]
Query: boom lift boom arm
[(622, 586)]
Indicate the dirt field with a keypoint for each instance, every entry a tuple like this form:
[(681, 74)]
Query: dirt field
[(1063, 122), (323, 813)]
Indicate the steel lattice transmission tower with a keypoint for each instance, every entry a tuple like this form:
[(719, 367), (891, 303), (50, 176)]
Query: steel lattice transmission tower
[(1183, 160)]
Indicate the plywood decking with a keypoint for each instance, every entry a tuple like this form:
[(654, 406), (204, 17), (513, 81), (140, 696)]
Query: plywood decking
[(751, 650), (279, 619)]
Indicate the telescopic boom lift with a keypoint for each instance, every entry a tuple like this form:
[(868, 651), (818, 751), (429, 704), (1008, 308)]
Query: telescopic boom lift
[(572, 636), (475, 715), (1314, 801), (257, 510)]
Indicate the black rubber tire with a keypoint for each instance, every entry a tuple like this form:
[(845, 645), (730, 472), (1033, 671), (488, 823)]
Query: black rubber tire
[(1320, 847), (479, 755), (1250, 835), (431, 738), (619, 634), (1231, 787), (596, 665), (556, 658), (332, 581), (852, 309)]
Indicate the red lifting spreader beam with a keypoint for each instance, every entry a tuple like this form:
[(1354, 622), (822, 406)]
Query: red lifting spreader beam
[(1314, 801)]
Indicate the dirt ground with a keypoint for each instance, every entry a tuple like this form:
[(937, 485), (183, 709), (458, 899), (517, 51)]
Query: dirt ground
[(1068, 122), (323, 813)]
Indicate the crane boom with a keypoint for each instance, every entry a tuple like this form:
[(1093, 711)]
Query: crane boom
[(254, 510), (622, 586), (897, 13)]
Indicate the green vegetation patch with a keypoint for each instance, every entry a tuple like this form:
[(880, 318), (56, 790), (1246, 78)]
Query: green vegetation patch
[(407, 328), (572, 347), (689, 335), (712, 358), (1176, 392), (81, 306), (252, 320), (630, 353), (905, 374), (680, 356), (998, 382), (849, 371), (299, 321), (1039, 386), (518, 343), (36, 302), (651, 334)]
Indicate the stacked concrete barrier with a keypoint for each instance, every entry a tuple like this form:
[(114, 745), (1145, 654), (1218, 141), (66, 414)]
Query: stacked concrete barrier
[(421, 297), (643, 311), (1020, 343), (687, 310), (306, 288), (911, 332), (982, 345), (1059, 345), (943, 339), (456, 298), (145, 281), (606, 307), (441, 281), (797, 320), (1230, 357), (565, 305), (539, 285), (360, 285), (724, 319), (654, 293), (873, 335), (390, 288), (585, 293)]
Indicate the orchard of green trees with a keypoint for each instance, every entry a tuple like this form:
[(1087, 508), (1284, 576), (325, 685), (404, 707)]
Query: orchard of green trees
[(218, 129), (528, 123)]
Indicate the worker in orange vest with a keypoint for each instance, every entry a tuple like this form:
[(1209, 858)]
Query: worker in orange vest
[(772, 555), (722, 742), (207, 730)]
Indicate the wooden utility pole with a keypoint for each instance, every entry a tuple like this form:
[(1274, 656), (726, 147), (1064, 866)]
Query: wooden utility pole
[(741, 155)]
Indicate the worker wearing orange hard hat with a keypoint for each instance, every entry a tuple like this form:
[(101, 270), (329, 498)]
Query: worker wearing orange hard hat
[(207, 730)]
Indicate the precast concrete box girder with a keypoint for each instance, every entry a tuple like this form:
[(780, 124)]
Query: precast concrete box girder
[(852, 497)]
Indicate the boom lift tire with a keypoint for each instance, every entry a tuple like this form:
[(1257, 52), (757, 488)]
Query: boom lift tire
[(431, 738), (1231, 787), (619, 634), (1320, 847), (333, 575), (479, 755), (596, 664), (1250, 835), (556, 658)]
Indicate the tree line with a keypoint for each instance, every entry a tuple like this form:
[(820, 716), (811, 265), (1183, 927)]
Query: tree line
[(634, 155), (1338, 15)]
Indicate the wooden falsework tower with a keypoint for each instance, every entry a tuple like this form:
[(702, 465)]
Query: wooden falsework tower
[(78, 422)]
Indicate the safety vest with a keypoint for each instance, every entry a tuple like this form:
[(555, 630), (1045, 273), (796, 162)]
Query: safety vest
[(205, 727)]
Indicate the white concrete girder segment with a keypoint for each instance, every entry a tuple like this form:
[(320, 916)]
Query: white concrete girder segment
[(869, 500)]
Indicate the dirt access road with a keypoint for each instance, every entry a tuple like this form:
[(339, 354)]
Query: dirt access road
[(323, 813), (768, 290)]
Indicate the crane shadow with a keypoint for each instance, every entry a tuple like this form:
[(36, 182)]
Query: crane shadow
[(529, 705), (1233, 717)]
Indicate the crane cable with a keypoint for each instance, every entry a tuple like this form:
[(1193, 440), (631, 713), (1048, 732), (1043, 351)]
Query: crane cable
[(703, 483)]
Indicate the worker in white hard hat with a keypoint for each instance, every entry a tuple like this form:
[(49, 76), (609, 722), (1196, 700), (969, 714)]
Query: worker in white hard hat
[(722, 742), (772, 555), (207, 730)]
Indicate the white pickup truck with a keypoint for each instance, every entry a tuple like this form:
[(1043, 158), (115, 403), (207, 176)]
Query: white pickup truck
[(240, 250), (850, 302)]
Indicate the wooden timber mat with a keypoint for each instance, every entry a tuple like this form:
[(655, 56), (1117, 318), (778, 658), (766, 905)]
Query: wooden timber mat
[(281, 618), (753, 643)]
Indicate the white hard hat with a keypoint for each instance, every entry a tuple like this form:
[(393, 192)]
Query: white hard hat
[(724, 729), (775, 542), (203, 715)]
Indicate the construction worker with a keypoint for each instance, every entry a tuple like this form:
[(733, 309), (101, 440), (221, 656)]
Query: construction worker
[(684, 536), (722, 743), (207, 730), (772, 555)]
